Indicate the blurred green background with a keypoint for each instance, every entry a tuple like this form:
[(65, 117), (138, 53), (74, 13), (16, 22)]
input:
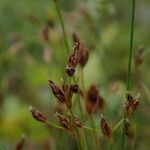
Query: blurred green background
[(27, 60)]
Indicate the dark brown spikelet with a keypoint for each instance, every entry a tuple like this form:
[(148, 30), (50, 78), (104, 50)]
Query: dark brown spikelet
[(65, 122), (106, 129), (20, 144), (74, 88), (84, 54), (68, 94), (128, 131), (131, 104), (138, 56), (58, 93), (38, 116), (92, 96), (73, 60)]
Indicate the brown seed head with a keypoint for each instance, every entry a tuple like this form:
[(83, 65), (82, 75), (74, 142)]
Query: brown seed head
[(129, 133), (84, 54), (73, 60), (106, 129), (131, 104), (65, 122), (38, 116), (92, 96), (92, 93), (68, 94), (58, 93), (74, 88)]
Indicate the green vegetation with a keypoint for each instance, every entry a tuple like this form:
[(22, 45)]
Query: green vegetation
[(96, 108)]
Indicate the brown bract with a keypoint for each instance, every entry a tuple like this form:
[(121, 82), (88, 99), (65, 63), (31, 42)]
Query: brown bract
[(38, 116), (92, 96), (128, 131), (106, 129), (58, 93), (65, 122), (73, 60), (131, 104), (68, 94), (84, 53)]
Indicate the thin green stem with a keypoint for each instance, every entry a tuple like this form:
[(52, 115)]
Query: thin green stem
[(118, 124), (76, 131), (130, 62), (62, 25), (123, 135), (131, 46), (97, 145), (82, 117), (54, 125)]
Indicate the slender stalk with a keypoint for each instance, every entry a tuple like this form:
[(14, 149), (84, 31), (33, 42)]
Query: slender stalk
[(118, 124), (97, 146), (82, 117), (131, 46), (62, 25), (54, 125), (76, 131), (130, 62)]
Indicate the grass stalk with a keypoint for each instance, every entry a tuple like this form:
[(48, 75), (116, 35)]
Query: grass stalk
[(129, 62), (76, 132), (83, 120), (62, 26), (97, 146)]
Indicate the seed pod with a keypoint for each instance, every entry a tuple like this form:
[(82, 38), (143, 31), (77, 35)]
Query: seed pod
[(74, 88), (131, 104), (66, 123), (92, 96), (73, 60), (38, 116), (68, 94), (106, 129), (58, 93), (129, 133), (84, 54)]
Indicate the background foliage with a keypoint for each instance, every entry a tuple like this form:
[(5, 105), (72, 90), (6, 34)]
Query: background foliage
[(26, 62)]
